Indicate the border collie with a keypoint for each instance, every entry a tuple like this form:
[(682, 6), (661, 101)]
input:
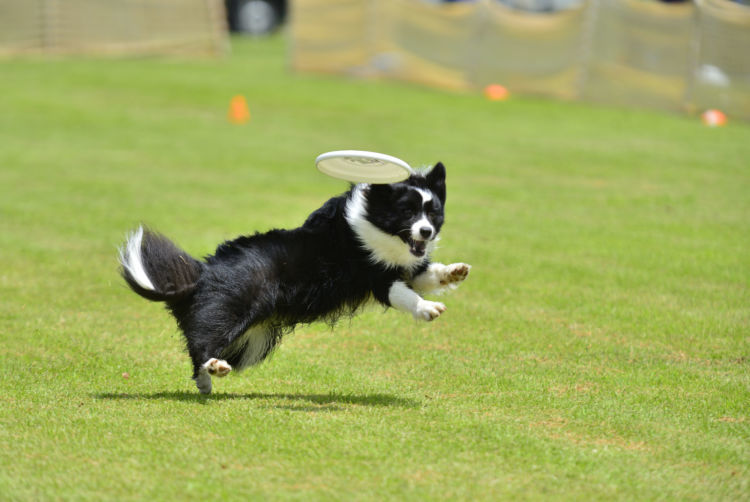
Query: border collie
[(374, 241)]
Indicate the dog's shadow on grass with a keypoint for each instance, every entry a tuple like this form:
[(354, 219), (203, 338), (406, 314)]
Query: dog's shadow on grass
[(297, 402)]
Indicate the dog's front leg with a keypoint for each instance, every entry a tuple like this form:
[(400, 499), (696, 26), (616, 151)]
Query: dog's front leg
[(438, 277), (404, 298)]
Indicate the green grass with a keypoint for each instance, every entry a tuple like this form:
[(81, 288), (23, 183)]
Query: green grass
[(599, 350)]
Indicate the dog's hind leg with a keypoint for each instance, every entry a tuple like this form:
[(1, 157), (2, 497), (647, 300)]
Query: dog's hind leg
[(217, 367), (212, 367), (215, 354), (207, 362), (203, 382), (213, 341)]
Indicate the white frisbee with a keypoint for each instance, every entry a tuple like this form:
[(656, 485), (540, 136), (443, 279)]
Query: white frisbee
[(359, 166)]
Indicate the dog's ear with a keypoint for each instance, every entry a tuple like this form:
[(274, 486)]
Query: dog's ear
[(436, 180)]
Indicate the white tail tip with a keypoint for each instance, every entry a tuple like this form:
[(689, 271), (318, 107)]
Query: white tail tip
[(132, 261)]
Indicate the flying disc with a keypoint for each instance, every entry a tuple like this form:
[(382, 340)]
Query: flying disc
[(359, 166)]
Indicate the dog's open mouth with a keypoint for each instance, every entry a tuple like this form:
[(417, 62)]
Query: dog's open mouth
[(417, 248)]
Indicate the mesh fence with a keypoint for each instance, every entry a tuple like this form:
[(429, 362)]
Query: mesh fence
[(639, 53), (675, 56), (114, 26), (346, 44), (721, 69)]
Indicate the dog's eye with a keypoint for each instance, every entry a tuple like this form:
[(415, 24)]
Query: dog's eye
[(431, 207)]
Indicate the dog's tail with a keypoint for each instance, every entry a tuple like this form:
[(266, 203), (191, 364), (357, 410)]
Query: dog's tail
[(156, 269)]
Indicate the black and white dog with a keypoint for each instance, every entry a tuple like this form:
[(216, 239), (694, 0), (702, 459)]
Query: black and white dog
[(374, 241)]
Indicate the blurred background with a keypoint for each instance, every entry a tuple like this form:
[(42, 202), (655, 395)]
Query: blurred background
[(673, 55)]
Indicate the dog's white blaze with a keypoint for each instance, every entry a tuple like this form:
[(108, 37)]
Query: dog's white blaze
[(384, 248), (426, 195), (131, 259), (423, 221), (417, 227)]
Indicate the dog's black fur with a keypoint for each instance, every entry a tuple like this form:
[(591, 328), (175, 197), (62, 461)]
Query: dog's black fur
[(275, 280)]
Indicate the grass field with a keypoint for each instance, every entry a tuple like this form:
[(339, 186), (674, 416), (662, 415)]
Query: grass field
[(599, 350)]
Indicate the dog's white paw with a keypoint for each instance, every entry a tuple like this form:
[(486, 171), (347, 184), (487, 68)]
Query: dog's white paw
[(428, 311), (217, 367), (454, 273)]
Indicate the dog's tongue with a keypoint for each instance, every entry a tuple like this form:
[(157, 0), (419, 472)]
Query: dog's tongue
[(418, 247)]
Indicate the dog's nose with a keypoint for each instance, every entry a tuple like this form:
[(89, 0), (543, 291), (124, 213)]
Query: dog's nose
[(425, 232)]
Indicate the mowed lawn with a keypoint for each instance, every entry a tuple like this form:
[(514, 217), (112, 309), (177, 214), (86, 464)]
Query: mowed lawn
[(598, 351)]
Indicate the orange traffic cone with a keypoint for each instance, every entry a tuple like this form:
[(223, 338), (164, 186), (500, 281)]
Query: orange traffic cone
[(714, 118), (496, 92), (238, 113)]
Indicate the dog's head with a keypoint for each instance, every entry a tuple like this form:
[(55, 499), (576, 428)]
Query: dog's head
[(400, 223)]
